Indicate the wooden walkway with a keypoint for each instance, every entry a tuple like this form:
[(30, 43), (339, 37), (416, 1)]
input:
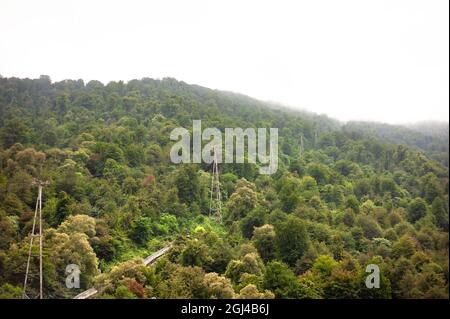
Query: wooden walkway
[(86, 294), (155, 256), (147, 261)]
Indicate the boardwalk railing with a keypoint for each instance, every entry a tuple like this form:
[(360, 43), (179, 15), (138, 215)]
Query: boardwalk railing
[(147, 261), (153, 257), (86, 294)]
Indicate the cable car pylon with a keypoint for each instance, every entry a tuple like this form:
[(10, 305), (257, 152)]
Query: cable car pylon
[(36, 232), (215, 204)]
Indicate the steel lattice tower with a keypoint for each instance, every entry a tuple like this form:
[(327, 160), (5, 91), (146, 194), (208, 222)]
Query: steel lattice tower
[(36, 232), (215, 206)]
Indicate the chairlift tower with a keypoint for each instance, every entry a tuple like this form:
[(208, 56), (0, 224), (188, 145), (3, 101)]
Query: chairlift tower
[(36, 233), (215, 204), (302, 147)]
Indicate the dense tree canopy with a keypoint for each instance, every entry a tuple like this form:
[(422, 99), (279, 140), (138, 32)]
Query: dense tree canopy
[(344, 197)]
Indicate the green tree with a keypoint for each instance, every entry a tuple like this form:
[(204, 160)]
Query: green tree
[(253, 219), (292, 239), (141, 230), (241, 202), (251, 292), (14, 131), (195, 253), (439, 208), (282, 281), (187, 183), (264, 240), (417, 209)]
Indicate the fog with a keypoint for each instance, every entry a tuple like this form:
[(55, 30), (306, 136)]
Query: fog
[(352, 60)]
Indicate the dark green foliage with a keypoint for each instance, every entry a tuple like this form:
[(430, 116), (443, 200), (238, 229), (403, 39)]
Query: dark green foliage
[(344, 196), (141, 230), (195, 253), (281, 280), (417, 209), (188, 185), (254, 219), (292, 239), (439, 208), (264, 240)]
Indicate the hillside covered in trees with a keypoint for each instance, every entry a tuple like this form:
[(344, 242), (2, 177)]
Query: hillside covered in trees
[(429, 137), (344, 196)]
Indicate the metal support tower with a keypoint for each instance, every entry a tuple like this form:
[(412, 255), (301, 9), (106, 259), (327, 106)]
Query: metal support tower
[(36, 232), (302, 147), (215, 206)]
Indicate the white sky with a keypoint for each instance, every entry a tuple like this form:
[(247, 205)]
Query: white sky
[(368, 60)]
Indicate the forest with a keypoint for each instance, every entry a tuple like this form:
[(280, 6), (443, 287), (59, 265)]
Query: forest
[(344, 196)]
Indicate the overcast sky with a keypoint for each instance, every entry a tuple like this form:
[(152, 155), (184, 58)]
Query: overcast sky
[(367, 60)]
